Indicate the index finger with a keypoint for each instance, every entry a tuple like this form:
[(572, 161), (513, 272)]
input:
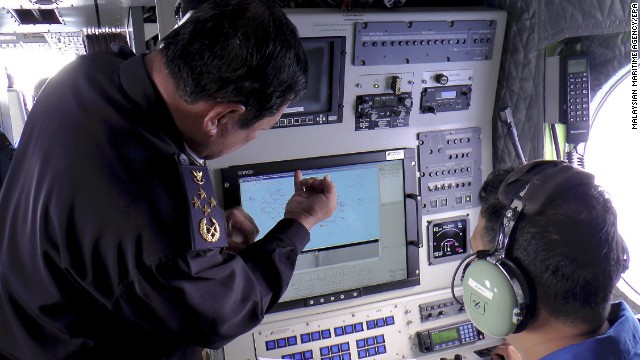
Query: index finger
[(297, 177)]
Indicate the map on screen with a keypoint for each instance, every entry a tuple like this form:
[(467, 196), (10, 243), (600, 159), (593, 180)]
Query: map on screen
[(357, 218)]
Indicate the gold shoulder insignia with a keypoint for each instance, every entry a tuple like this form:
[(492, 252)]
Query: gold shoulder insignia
[(197, 177)]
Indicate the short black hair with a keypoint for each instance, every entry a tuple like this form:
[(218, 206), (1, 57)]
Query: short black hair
[(570, 251), (244, 51)]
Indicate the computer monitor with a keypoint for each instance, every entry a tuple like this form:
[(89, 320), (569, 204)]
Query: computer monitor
[(368, 246), (323, 101)]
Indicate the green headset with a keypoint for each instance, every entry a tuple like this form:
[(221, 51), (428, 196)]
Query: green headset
[(497, 297)]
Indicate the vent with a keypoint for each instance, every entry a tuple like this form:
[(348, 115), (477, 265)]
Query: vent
[(36, 16)]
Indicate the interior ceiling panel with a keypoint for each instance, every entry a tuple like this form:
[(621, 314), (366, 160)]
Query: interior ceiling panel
[(74, 14)]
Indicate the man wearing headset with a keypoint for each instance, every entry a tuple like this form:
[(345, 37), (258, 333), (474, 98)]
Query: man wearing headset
[(561, 256)]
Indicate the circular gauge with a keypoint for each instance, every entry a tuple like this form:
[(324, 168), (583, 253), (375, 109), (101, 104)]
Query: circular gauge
[(448, 238)]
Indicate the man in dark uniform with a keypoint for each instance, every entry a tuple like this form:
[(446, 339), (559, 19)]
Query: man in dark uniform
[(112, 244)]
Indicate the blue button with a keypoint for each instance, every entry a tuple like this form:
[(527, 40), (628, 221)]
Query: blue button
[(324, 351), (270, 345), (362, 354), (380, 339), (360, 343), (371, 341), (297, 356), (382, 349), (339, 331), (371, 324), (326, 334), (335, 357), (287, 357), (348, 329), (305, 338), (344, 346), (380, 322), (292, 340), (315, 336), (358, 327), (390, 320), (281, 343), (325, 358), (335, 349), (307, 354), (371, 351), (346, 356)]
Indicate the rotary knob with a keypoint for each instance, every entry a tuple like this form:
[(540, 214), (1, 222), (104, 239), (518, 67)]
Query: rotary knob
[(442, 79)]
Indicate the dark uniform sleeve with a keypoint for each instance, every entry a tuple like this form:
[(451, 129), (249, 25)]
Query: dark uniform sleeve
[(209, 298)]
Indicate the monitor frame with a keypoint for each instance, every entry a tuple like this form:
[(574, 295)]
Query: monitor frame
[(232, 175), (333, 115)]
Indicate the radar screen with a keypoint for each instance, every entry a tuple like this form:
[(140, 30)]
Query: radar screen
[(448, 239)]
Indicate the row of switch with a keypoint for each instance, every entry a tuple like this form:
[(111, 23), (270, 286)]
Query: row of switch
[(448, 186), (425, 42), (462, 170)]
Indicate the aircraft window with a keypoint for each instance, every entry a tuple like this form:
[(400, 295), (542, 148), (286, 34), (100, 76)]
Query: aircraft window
[(29, 65), (611, 155)]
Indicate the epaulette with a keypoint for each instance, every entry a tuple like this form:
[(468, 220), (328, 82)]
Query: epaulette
[(208, 224)]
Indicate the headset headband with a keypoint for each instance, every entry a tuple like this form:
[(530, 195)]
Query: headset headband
[(529, 188)]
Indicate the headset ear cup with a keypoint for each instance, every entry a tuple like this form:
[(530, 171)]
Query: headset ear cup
[(522, 292), (490, 299)]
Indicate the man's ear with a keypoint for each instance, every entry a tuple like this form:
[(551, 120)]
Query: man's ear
[(221, 117)]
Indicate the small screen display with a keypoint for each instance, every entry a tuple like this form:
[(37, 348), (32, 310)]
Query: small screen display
[(388, 101), (444, 336), (577, 66), (317, 98), (449, 238), (446, 95)]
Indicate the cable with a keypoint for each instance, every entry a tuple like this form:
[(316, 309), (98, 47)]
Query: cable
[(556, 142), (453, 279)]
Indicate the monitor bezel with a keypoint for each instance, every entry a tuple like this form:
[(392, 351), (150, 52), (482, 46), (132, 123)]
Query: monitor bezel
[(232, 175), (334, 114)]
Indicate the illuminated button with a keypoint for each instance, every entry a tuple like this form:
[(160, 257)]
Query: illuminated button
[(346, 356), (344, 347), (315, 336), (348, 329), (360, 343), (382, 349), (305, 338), (372, 324), (324, 351), (335, 357), (380, 339), (326, 334), (362, 354), (339, 331), (291, 340), (297, 356), (270, 345), (335, 349), (287, 356), (307, 355), (371, 341), (280, 343), (380, 322), (390, 320), (371, 351), (358, 327)]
